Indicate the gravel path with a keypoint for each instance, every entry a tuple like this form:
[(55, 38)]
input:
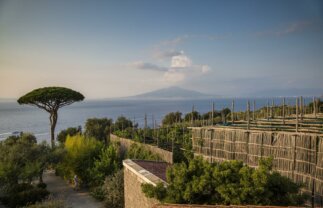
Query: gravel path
[(60, 189)]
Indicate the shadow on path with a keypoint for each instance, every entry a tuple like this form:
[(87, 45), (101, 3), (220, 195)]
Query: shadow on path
[(61, 190)]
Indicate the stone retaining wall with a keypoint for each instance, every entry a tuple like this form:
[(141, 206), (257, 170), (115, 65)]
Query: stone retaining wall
[(126, 144)]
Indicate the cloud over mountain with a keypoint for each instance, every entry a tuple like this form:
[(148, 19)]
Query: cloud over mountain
[(181, 68)]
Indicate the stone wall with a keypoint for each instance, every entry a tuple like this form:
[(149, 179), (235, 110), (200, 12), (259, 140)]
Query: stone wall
[(134, 176), (126, 144)]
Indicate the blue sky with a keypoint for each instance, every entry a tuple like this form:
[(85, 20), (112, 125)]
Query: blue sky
[(120, 48)]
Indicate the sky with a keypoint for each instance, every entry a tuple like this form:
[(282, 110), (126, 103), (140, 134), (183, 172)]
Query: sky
[(107, 49)]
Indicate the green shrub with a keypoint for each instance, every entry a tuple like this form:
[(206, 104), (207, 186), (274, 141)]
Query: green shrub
[(107, 163), (24, 194), (49, 203), (79, 158), (229, 182), (98, 128), (114, 189), (98, 193)]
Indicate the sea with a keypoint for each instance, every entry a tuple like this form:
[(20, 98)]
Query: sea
[(25, 118)]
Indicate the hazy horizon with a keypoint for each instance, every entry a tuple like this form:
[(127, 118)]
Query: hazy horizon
[(114, 49)]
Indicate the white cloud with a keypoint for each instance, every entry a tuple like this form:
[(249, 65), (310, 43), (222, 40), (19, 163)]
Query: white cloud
[(181, 61), (181, 69)]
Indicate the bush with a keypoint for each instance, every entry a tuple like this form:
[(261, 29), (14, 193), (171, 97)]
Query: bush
[(79, 158), (98, 128), (98, 193), (24, 194), (107, 163), (114, 190), (49, 203), (229, 182)]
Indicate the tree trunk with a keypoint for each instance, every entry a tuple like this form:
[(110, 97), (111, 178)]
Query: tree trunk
[(53, 121)]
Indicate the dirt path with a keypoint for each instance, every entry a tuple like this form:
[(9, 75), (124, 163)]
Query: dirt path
[(60, 189)]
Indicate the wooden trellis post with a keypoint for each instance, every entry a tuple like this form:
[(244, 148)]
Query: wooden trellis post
[(145, 128), (212, 121), (254, 110), (267, 109), (314, 107), (248, 114), (297, 114), (272, 108), (192, 116), (283, 111), (301, 107), (232, 112)]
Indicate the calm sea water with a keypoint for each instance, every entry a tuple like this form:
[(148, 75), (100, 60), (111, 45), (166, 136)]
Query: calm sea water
[(15, 117)]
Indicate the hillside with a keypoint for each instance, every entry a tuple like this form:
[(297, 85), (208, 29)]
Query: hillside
[(172, 93)]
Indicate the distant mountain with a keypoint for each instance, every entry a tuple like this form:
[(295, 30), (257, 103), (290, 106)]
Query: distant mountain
[(172, 93)]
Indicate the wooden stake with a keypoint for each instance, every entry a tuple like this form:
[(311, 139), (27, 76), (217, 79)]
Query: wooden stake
[(283, 111), (301, 107), (248, 114), (254, 110), (267, 109), (212, 121), (314, 107), (145, 128), (296, 114), (232, 112), (272, 109), (192, 117)]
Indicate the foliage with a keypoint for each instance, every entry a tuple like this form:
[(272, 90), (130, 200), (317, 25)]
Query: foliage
[(137, 151), (81, 153), (230, 182), (125, 133), (90, 160), (54, 96), (172, 118), (51, 99), (122, 123), (22, 159), (114, 189), (196, 116), (72, 131), (98, 128), (24, 194), (49, 203), (108, 162)]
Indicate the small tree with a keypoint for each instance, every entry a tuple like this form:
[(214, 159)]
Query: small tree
[(98, 128), (51, 99), (172, 118)]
